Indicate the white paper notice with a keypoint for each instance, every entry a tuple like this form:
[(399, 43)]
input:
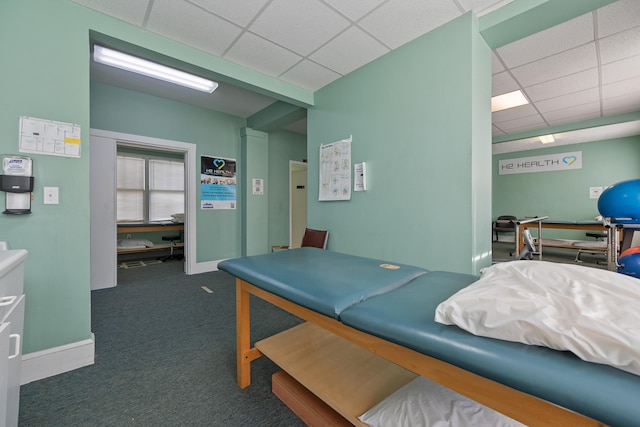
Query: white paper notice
[(49, 137), (258, 187), (335, 171)]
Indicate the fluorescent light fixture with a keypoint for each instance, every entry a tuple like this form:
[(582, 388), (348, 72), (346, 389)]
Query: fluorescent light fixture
[(127, 62), (508, 100), (547, 139)]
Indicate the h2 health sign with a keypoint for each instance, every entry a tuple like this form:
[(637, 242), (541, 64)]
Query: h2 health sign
[(546, 163)]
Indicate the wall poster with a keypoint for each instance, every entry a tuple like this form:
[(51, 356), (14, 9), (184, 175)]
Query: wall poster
[(217, 183), (335, 171)]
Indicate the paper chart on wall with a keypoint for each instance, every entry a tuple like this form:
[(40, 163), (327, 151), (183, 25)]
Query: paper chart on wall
[(335, 171), (49, 137)]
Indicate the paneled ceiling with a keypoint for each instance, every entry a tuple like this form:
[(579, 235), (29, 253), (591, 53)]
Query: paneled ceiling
[(585, 68)]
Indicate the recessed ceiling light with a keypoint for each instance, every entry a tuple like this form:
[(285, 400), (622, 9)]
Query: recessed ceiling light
[(127, 62), (508, 100), (547, 139)]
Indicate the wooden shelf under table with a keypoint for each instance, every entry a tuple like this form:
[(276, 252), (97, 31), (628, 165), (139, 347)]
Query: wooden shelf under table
[(345, 376)]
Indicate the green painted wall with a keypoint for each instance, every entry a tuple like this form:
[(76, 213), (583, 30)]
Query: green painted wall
[(255, 207), (420, 118), (416, 116), (283, 146), (564, 195), (215, 134), (45, 74)]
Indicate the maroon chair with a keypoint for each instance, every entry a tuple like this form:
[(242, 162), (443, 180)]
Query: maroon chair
[(311, 238)]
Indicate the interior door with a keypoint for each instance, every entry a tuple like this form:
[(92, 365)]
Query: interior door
[(297, 202), (103, 213)]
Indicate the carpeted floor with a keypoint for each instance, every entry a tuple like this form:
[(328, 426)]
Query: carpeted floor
[(165, 356)]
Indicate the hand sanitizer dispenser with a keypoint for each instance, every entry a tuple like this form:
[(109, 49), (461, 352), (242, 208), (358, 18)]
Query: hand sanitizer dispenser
[(17, 183)]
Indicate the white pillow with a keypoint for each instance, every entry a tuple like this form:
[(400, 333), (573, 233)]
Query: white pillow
[(137, 243), (425, 403), (591, 312)]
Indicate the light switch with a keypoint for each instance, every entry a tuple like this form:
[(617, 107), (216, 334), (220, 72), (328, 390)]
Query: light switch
[(51, 195), (595, 192)]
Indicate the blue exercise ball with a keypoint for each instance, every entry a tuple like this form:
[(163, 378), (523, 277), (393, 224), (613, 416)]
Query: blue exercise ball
[(630, 265), (621, 202)]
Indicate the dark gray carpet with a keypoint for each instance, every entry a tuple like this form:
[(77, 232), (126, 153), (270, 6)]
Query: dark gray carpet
[(165, 356)]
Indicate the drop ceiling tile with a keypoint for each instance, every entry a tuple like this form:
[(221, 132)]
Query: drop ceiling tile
[(622, 88), (620, 46), (522, 124), (618, 16), (564, 85), (309, 75), (503, 83), (513, 113), (573, 119), (340, 56), (240, 12), (566, 101), (192, 26), (354, 9), (400, 21), (261, 55), (621, 104), (556, 66), (496, 64), (574, 113), (131, 11), (621, 70), (495, 131), (561, 38), (299, 25)]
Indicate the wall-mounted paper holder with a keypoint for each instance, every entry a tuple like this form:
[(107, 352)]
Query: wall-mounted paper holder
[(17, 183)]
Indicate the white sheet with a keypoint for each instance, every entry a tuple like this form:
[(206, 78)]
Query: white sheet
[(591, 312), (134, 243), (423, 403)]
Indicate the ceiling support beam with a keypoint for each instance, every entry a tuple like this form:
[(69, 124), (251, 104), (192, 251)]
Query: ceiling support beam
[(522, 18), (276, 116)]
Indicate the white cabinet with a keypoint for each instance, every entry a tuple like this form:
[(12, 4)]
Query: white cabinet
[(11, 329), (4, 367), (15, 320)]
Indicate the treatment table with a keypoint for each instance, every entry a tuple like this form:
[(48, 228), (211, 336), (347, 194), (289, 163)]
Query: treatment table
[(388, 310)]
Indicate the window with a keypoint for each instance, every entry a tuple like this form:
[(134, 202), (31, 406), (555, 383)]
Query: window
[(149, 189)]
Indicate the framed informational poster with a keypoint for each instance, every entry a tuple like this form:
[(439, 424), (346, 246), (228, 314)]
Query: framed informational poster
[(335, 171), (217, 183)]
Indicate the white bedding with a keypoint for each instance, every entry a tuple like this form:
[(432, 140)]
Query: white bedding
[(423, 403), (134, 243), (591, 312)]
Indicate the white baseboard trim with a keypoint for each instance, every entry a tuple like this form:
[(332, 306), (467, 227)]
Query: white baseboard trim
[(57, 360)]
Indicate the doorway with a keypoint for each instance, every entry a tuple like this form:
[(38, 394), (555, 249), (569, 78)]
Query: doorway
[(297, 202), (103, 200)]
